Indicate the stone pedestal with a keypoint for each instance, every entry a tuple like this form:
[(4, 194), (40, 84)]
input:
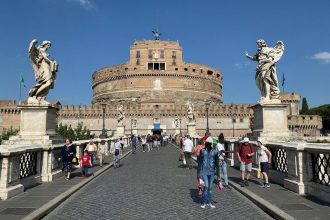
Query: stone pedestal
[(192, 130), (270, 122), (135, 131), (120, 131), (37, 126)]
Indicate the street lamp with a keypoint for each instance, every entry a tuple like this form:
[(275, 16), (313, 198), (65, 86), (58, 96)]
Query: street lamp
[(103, 134), (207, 105), (180, 126)]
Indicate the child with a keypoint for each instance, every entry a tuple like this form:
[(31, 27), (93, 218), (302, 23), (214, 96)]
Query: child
[(85, 163), (197, 151)]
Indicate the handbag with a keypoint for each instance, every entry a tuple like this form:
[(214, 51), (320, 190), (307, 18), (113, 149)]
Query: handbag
[(74, 160)]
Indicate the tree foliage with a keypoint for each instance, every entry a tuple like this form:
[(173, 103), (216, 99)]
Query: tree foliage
[(79, 133), (6, 133), (324, 112), (304, 107)]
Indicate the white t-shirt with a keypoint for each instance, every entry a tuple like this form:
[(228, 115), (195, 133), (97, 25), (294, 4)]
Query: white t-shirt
[(262, 155), (220, 148), (188, 145)]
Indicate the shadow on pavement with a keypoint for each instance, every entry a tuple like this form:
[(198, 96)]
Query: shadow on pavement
[(194, 196)]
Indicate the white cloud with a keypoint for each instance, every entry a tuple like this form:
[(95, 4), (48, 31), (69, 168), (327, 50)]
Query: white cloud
[(323, 56), (85, 4), (241, 65)]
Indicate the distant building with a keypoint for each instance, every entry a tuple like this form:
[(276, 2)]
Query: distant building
[(154, 87)]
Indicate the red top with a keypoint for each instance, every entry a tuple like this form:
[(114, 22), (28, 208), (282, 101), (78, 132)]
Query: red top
[(198, 149), (243, 151), (85, 160)]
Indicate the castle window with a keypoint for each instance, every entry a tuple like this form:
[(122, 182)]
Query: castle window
[(138, 55), (201, 70), (209, 72), (194, 70), (185, 69), (150, 54), (174, 62), (138, 61), (162, 54), (156, 66), (174, 54), (162, 66), (176, 69), (150, 66)]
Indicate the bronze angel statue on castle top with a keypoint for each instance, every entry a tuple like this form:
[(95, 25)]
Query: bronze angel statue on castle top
[(44, 71)]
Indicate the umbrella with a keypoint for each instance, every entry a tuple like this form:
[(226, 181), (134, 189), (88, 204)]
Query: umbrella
[(204, 138), (212, 140)]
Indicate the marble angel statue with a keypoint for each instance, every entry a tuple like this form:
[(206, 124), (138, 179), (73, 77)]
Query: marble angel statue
[(266, 77), (121, 116), (190, 112), (44, 70)]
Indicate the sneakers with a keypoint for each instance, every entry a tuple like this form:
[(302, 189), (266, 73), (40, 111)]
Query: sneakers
[(212, 206), (203, 206), (246, 183), (242, 184), (265, 185)]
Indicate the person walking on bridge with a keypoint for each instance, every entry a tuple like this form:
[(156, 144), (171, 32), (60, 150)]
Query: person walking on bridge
[(244, 154), (210, 166)]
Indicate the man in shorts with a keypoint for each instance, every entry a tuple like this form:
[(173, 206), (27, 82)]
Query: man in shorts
[(244, 154)]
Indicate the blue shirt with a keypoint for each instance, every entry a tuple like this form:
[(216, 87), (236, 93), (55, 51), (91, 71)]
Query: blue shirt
[(208, 161)]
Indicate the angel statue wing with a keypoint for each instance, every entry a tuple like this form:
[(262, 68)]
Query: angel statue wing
[(34, 57), (278, 51)]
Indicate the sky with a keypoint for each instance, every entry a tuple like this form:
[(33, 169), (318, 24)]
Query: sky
[(88, 35)]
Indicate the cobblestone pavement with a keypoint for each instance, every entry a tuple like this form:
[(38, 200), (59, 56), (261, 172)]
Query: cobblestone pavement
[(152, 186)]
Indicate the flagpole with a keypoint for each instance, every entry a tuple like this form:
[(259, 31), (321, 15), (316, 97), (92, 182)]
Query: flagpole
[(20, 92)]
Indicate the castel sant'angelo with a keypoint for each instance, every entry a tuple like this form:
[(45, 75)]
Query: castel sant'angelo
[(153, 90)]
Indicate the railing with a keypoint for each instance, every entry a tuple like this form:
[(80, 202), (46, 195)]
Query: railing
[(279, 160), (23, 167), (321, 168), (28, 164), (301, 167)]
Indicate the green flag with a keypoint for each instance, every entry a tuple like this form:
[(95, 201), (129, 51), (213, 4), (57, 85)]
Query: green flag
[(21, 79)]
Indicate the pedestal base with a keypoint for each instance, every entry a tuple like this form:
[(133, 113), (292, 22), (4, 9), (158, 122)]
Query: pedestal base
[(192, 131), (270, 122), (120, 131), (37, 126)]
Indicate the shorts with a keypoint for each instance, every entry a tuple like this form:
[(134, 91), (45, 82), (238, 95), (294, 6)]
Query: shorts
[(264, 167), (246, 167)]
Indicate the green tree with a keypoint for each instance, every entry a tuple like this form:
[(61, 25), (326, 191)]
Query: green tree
[(79, 133), (324, 112), (304, 107), (6, 133)]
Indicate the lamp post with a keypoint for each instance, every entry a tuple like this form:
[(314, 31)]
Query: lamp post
[(180, 126), (207, 105), (234, 121), (103, 134)]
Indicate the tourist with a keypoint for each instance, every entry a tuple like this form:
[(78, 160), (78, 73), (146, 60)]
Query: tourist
[(264, 157), (244, 154), (144, 143), (197, 151), (149, 142), (116, 153), (92, 150), (121, 142), (187, 150), (222, 161), (209, 165), (181, 157), (66, 156), (133, 144), (102, 151), (85, 163)]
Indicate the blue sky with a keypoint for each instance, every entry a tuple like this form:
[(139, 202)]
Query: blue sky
[(87, 35)]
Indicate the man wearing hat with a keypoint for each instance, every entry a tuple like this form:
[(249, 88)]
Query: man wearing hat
[(244, 154)]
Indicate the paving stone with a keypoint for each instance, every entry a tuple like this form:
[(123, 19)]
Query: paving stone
[(152, 186)]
